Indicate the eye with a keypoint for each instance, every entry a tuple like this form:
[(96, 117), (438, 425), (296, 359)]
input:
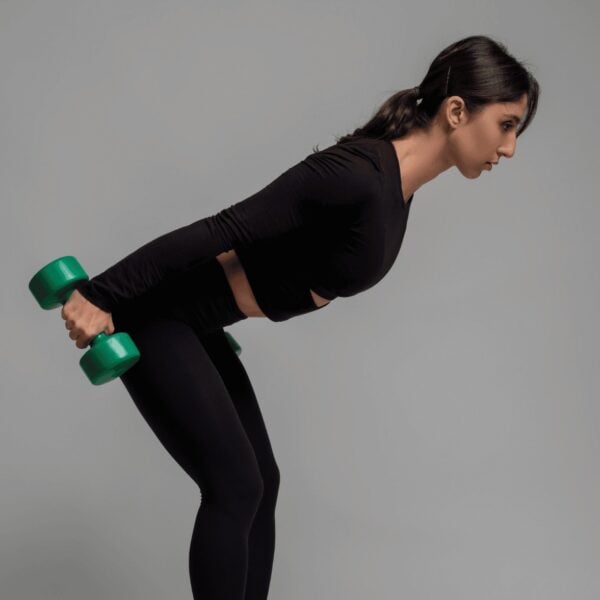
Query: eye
[(509, 123)]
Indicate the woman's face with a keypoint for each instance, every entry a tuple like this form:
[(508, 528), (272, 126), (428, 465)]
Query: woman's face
[(484, 137)]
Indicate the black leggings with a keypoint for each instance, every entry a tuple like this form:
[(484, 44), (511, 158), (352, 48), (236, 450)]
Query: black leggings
[(193, 391)]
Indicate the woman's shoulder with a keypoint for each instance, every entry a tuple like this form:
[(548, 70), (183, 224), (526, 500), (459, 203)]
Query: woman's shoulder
[(358, 152), (352, 169)]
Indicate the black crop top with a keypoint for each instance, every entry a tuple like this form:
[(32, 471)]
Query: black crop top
[(333, 223)]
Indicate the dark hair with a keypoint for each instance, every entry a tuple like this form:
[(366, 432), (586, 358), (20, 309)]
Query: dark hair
[(476, 68)]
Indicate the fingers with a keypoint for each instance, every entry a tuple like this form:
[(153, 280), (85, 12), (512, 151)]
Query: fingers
[(81, 337), (76, 334), (69, 323), (82, 340), (80, 325)]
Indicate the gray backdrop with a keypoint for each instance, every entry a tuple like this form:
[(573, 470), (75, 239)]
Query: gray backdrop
[(437, 435)]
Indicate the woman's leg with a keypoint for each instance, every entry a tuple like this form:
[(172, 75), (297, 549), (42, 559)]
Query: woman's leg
[(185, 401), (261, 543)]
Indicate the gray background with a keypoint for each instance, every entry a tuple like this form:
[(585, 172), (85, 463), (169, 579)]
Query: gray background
[(437, 435)]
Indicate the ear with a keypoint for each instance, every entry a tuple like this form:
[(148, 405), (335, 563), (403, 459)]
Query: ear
[(455, 111)]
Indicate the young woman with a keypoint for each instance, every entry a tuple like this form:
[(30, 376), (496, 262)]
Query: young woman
[(330, 226)]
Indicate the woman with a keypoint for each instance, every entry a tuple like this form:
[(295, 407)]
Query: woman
[(329, 226)]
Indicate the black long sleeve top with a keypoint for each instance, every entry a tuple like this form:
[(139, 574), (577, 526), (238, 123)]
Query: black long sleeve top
[(334, 223)]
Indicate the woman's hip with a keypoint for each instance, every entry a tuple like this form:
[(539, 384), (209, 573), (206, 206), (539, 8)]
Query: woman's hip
[(200, 297)]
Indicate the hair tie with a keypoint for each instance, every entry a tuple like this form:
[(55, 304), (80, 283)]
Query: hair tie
[(417, 91)]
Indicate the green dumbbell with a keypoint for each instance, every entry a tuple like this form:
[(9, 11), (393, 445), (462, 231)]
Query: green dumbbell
[(237, 348), (109, 356)]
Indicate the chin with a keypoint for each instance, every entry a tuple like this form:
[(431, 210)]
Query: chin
[(472, 173)]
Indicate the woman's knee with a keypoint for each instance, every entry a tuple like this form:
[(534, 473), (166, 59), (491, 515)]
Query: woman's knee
[(240, 496), (271, 478)]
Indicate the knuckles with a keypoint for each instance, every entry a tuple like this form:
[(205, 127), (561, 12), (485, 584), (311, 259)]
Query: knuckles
[(78, 329)]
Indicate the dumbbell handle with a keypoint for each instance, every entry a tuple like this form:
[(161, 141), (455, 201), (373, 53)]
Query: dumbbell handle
[(99, 336)]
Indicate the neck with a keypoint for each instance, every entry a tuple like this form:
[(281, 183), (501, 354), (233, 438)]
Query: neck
[(422, 155)]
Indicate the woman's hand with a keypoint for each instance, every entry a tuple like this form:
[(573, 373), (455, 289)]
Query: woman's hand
[(85, 320)]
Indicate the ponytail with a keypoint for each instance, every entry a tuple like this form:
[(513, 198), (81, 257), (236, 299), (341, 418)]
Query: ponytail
[(477, 68)]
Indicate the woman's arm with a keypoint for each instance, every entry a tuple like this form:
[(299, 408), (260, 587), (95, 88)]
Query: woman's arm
[(321, 181)]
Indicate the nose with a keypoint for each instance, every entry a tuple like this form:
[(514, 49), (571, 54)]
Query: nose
[(508, 150)]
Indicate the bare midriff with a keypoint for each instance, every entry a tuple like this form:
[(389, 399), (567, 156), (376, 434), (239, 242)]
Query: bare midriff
[(240, 286)]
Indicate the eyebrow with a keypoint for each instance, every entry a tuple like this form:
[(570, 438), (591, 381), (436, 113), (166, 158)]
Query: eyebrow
[(517, 119)]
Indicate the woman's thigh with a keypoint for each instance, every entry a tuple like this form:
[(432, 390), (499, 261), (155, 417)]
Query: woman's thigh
[(184, 399), (241, 392)]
